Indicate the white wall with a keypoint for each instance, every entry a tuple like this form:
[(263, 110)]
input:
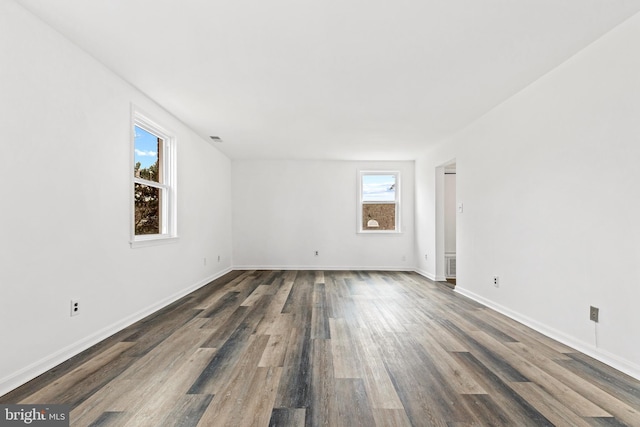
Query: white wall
[(283, 211), (549, 182), (65, 169)]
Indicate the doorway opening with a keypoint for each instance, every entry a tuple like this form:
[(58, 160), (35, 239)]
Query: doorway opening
[(446, 224)]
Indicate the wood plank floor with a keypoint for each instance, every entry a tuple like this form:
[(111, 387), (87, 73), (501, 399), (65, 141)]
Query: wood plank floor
[(304, 348)]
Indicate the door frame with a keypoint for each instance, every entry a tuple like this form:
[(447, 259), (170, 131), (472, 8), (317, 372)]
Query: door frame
[(441, 268)]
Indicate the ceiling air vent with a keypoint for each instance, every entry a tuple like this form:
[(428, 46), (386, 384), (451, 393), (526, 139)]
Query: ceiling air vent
[(216, 138)]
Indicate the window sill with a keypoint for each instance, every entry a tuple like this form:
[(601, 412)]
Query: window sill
[(379, 232), (145, 241)]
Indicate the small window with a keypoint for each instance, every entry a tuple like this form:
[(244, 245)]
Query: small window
[(379, 204), (154, 200)]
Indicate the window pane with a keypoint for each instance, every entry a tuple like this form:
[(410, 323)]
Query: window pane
[(378, 188), (147, 209), (379, 216), (147, 152)]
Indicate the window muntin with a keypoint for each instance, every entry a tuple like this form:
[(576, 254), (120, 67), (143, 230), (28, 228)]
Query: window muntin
[(154, 201), (379, 201)]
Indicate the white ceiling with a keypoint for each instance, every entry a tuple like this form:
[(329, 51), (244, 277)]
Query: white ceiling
[(331, 79)]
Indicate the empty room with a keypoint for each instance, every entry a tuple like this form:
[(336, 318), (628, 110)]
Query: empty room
[(294, 213)]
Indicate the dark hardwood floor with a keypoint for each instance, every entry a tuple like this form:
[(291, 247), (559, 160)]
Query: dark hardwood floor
[(296, 348)]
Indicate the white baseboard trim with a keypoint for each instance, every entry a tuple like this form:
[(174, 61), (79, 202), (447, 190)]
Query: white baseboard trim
[(430, 276), (320, 268), (28, 373), (426, 274), (603, 356)]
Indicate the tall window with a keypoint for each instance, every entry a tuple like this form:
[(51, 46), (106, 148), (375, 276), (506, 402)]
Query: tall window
[(379, 205), (154, 210)]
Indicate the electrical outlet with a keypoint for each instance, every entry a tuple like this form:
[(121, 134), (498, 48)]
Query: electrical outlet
[(75, 307), (425, 256), (218, 258), (496, 281), (594, 312)]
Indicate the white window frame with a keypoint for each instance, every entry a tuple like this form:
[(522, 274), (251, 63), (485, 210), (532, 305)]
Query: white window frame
[(168, 227), (361, 174)]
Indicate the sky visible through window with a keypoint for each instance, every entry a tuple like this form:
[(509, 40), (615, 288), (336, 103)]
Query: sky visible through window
[(378, 188), (146, 148)]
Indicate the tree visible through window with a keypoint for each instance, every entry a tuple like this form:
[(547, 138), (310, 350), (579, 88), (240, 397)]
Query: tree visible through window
[(379, 200), (147, 192)]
